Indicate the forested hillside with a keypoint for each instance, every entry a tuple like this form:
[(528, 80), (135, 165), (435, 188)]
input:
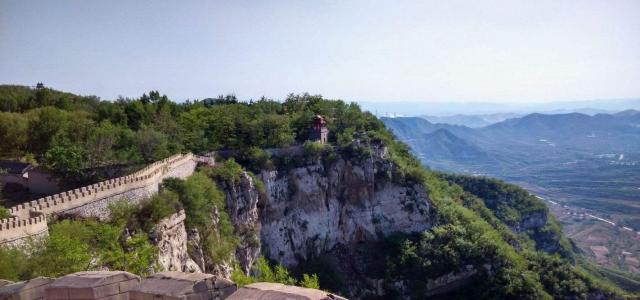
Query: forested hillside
[(499, 241)]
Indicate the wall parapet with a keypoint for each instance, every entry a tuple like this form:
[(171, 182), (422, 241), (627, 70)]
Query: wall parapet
[(30, 218)]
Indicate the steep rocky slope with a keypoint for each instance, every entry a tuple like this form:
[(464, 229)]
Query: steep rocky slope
[(320, 206), (345, 214)]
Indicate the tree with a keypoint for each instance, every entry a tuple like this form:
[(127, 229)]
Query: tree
[(64, 252), (151, 144), (13, 134), (100, 144), (66, 160), (43, 126)]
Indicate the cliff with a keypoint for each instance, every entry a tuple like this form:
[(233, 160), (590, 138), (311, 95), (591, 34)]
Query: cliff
[(170, 236), (323, 207), (318, 207)]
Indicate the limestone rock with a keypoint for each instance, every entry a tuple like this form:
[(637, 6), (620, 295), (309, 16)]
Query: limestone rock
[(241, 203), (170, 236), (311, 209)]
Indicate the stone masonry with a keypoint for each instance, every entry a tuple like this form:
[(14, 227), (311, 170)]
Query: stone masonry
[(30, 219), (120, 285), (103, 285)]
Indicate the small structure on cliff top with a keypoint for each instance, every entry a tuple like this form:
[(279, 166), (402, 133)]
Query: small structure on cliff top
[(319, 130), (93, 285), (277, 291), (178, 285), (24, 290)]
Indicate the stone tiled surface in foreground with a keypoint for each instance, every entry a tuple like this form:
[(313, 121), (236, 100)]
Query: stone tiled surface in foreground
[(33, 289), (105, 285), (179, 286), (277, 291), (119, 285)]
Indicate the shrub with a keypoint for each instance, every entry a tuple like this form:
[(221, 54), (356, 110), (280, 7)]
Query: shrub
[(257, 159), (202, 199), (264, 272), (75, 246), (229, 171), (13, 264), (4, 212), (313, 149), (310, 281), (158, 207)]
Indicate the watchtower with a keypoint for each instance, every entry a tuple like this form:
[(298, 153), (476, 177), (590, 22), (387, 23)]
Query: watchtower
[(319, 130)]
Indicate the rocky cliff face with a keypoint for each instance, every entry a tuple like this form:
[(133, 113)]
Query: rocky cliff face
[(315, 208), (533, 220), (170, 236), (324, 208), (241, 203)]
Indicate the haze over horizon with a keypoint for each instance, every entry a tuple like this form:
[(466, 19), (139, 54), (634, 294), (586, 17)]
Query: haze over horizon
[(424, 51)]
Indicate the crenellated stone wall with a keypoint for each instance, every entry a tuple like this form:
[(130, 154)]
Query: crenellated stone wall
[(30, 219), (14, 230)]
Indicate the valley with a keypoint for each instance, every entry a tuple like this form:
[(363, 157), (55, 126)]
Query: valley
[(587, 168)]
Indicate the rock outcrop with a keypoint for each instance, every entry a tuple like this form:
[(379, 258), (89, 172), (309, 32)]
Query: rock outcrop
[(325, 207), (241, 202), (170, 235), (311, 209)]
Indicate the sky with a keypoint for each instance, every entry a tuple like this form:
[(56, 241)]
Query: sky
[(376, 51)]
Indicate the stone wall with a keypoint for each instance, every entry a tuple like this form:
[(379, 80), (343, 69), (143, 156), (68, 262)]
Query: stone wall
[(29, 218), (13, 231), (120, 285)]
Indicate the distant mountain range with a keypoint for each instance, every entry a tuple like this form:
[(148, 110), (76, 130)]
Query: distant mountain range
[(576, 155), (578, 160), (443, 109), (536, 134), (473, 121), (482, 120)]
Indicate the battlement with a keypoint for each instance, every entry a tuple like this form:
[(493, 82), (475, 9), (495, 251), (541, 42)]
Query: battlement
[(20, 228), (30, 217)]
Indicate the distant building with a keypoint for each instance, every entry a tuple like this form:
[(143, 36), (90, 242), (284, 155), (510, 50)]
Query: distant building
[(39, 85), (18, 176), (319, 130)]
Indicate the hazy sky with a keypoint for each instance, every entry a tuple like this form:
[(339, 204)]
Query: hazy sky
[(511, 51)]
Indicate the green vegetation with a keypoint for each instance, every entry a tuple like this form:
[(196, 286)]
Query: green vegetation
[(75, 135), (474, 218), (507, 201), (471, 236), (4, 212), (313, 148), (511, 204), (263, 272), (626, 281), (202, 201), (463, 241), (74, 246)]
